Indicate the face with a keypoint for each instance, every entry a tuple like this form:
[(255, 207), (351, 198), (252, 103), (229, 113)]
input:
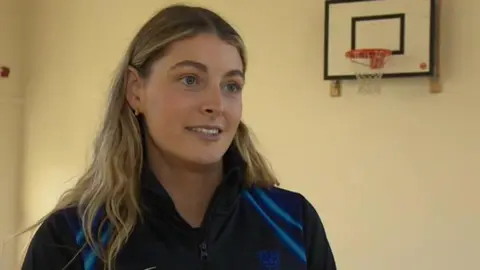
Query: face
[(192, 99)]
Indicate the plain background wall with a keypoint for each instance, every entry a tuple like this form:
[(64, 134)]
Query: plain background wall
[(394, 177), (11, 124)]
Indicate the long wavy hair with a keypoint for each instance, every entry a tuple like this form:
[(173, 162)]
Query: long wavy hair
[(111, 183)]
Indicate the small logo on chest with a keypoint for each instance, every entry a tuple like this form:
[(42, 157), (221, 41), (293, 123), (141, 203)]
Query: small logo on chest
[(269, 259)]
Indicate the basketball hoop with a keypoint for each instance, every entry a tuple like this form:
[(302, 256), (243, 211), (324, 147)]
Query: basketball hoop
[(368, 66)]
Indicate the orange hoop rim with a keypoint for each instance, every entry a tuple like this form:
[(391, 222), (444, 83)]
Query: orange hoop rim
[(368, 53)]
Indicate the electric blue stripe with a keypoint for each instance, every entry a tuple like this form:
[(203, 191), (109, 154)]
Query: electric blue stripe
[(91, 257), (275, 208), (298, 250), (79, 237), (89, 261)]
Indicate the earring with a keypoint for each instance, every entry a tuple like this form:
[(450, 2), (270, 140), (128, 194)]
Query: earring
[(135, 112)]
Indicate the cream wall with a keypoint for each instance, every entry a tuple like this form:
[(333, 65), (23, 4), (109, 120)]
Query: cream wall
[(11, 123), (394, 177)]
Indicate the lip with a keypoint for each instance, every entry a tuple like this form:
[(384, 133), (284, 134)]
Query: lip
[(203, 136), (206, 127)]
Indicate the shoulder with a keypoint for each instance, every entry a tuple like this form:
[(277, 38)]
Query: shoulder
[(59, 227), (59, 220), (278, 195), (53, 245), (276, 204), (68, 224), (288, 204)]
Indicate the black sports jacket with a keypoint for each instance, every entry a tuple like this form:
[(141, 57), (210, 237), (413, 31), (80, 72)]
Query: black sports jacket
[(246, 228)]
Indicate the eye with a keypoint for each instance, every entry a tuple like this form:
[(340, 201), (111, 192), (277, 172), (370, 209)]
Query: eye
[(189, 80), (232, 87)]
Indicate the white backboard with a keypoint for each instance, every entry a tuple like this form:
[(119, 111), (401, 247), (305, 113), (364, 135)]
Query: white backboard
[(407, 27)]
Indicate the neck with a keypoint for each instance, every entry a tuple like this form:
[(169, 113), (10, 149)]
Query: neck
[(191, 186)]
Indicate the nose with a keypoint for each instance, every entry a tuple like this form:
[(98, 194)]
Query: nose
[(213, 103)]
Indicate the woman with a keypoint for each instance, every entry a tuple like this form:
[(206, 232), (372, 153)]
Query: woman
[(176, 182)]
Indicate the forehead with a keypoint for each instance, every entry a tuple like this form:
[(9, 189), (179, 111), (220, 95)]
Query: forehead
[(207, 49)]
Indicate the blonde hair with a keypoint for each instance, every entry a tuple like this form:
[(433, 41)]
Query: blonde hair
[(111, 183)]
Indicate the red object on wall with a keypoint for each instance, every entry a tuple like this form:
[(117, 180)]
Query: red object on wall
[(4, 72)]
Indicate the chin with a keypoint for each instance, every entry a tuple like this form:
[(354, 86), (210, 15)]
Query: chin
[(196, 152), (205, 158), (204, 153)]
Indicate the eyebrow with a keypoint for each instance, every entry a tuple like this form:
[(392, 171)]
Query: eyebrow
[(202, 67)]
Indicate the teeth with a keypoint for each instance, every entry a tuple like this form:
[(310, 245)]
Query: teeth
[(207, 131)]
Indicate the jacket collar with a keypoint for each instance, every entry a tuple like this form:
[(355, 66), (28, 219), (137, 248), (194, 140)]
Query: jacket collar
[(158, 203)]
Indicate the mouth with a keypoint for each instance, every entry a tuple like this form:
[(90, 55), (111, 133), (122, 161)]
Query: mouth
[(206, 130)]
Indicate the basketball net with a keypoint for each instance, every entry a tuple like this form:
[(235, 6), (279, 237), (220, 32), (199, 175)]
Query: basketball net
[(368, 66)]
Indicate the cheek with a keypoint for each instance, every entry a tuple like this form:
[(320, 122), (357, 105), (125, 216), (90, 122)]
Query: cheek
[(235, 111), (165, 111), (238, 113)]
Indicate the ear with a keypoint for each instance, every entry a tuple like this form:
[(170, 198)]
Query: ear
[(135, 90)]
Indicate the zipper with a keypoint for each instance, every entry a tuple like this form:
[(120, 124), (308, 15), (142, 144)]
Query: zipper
[(203, 252), (203, 247)]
